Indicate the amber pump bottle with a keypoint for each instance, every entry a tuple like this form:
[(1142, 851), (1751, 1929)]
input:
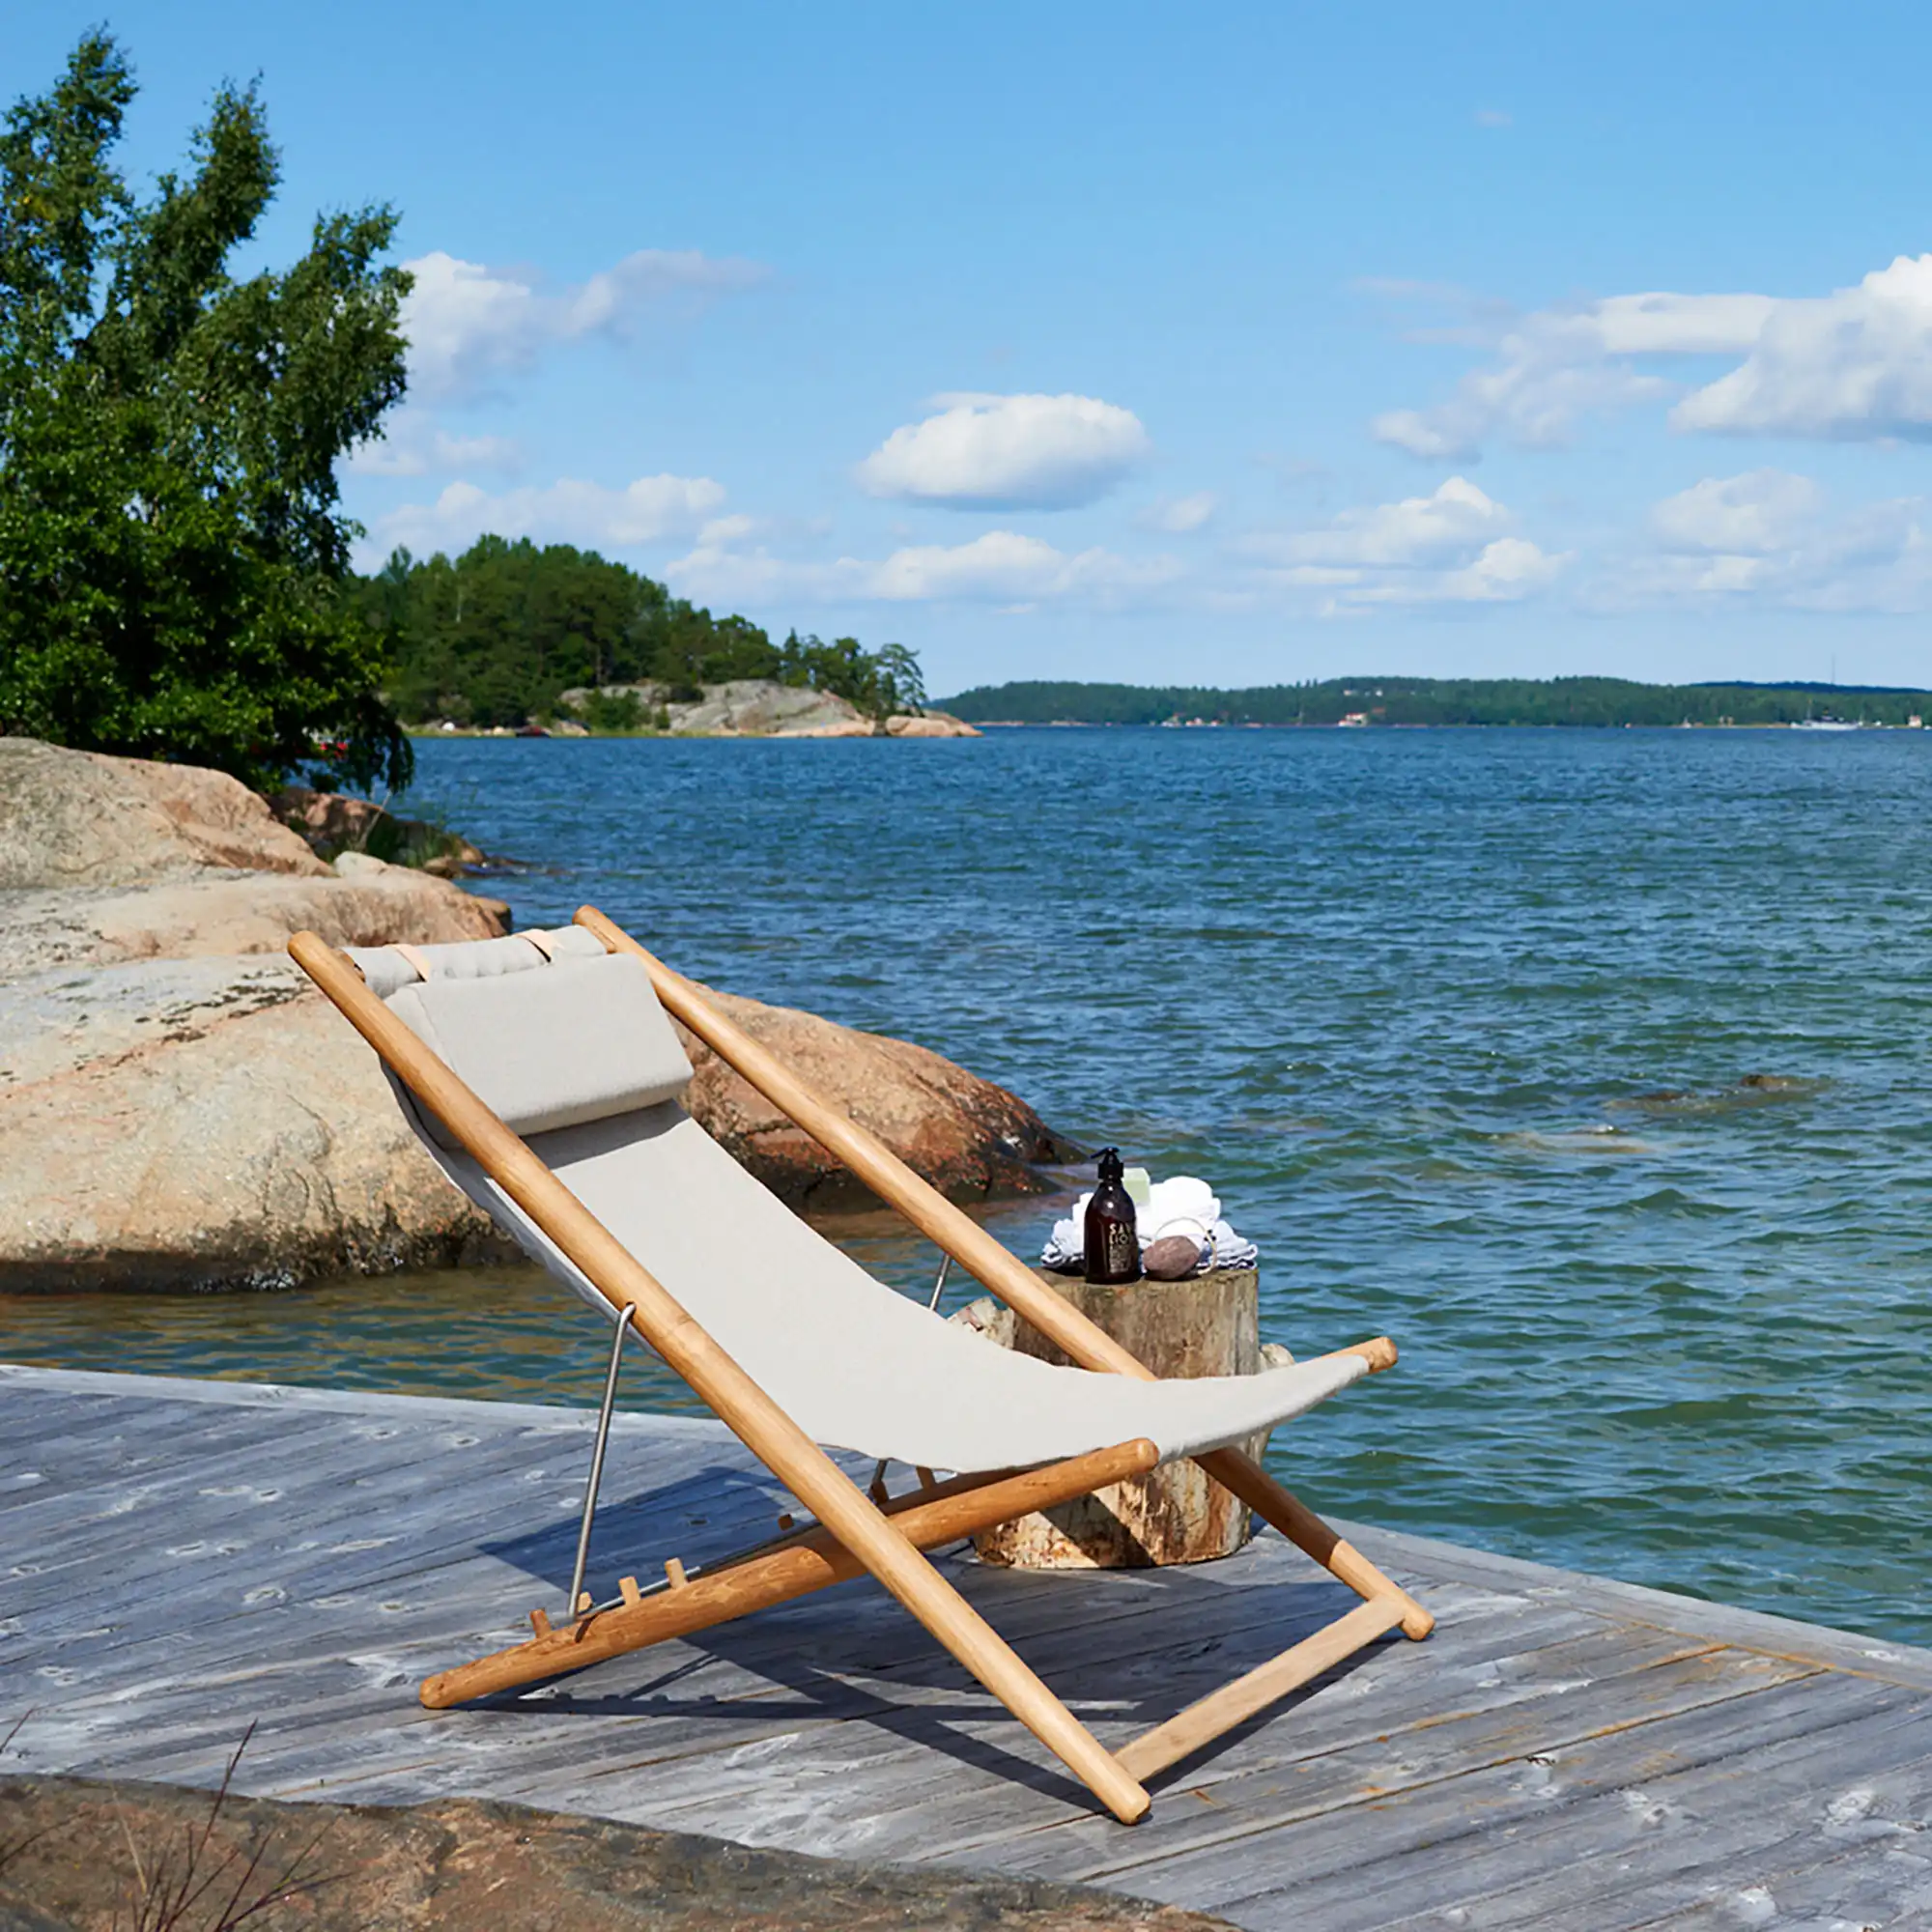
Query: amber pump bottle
[(1113, 1243)]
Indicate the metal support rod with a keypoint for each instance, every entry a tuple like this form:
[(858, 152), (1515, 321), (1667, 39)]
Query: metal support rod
[(939, 1287), (623, 1322), (931, 1308)]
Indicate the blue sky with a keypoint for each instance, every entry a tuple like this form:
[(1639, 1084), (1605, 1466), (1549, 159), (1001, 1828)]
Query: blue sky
[(1111, 342)]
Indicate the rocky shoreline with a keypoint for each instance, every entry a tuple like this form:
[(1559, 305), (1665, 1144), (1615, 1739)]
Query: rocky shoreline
[(180, 1109), (744, 708), (82, 1855)]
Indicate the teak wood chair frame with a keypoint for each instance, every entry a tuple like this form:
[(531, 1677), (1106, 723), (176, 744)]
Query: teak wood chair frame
[(854, 1532)]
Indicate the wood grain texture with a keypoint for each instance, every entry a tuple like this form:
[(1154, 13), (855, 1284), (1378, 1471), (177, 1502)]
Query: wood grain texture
[(1565, 1750), (1209, 1325)]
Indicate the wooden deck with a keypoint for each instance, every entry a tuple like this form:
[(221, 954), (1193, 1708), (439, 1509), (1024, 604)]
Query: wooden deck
[(178, 1559)]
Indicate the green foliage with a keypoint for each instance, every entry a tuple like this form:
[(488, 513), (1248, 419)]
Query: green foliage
[(501, 633), (899, 684), (493, 636), (1423, 701), (878, 683), (171, 554), (409, 841), (613, 711)]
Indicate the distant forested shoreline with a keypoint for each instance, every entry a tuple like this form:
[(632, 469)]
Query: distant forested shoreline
[(496, 636), (1438, 700)]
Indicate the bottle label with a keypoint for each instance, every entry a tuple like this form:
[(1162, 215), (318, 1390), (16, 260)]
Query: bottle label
[(1119, 1250)]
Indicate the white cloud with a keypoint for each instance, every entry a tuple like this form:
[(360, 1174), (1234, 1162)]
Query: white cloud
[(1501, 573), (1178, 516), (467, 324), (1558, 365), (1765, 540), (1848, 366), (1751, 515), (567, 511), (1856, 365), (1446, 435), (1547, 377), (1878, 558), (1001, 567), (1454, 520), (414, 445), (1666, 325), (1455, 546), (613, 300), (1008, 452)]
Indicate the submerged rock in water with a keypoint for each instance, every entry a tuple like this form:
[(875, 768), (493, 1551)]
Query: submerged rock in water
[(1752, 1089), (180, 1108), (87, 1855), (1602, 1138)]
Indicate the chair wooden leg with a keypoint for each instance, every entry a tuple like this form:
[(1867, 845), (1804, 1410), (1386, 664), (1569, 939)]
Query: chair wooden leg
[(1386, 1607), (1308, 1532), (1220, 1710)]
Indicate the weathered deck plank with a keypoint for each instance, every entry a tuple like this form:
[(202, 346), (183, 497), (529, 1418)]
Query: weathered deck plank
[(178, 1559)]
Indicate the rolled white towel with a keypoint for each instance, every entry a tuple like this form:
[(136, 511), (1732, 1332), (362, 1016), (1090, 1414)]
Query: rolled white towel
[(1180, 1197)]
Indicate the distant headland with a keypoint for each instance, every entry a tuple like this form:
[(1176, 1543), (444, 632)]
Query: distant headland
[(1603, 701)]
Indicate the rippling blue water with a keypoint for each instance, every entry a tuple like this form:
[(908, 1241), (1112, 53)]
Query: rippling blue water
[(1592, 1066)]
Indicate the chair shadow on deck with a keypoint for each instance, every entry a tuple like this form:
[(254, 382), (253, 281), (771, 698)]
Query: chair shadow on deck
[(1127, 1649)]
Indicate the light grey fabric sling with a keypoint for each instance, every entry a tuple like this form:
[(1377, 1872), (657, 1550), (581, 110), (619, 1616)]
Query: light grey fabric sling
[(570, 1049)]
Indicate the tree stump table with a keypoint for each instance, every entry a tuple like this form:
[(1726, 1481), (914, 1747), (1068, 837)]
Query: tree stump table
[(1204, 1326)]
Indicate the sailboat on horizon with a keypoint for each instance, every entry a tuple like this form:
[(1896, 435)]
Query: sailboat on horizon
[(1827, 723)]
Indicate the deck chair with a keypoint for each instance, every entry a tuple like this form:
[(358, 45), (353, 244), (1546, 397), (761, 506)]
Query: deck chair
[(541, 1073)]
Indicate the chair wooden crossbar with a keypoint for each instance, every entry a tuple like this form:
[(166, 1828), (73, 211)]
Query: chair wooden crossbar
[(854, 1533)]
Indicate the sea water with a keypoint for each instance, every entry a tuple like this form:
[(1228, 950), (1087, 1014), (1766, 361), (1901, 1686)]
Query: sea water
[(1590, 1066)]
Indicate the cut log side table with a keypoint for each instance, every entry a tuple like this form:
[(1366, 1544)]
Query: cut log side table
[(1209, 1325)]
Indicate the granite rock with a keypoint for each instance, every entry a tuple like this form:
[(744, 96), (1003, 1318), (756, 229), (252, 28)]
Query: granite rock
[(78, 818), (204, 1123), (334, 823), (752, 707), (228, 913), (106, 859), (71, 1847), (180, 1108), (212, 1122), (966, 1135)]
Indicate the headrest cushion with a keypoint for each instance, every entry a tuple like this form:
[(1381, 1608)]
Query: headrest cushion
[(574, 1041), (386, 968)]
